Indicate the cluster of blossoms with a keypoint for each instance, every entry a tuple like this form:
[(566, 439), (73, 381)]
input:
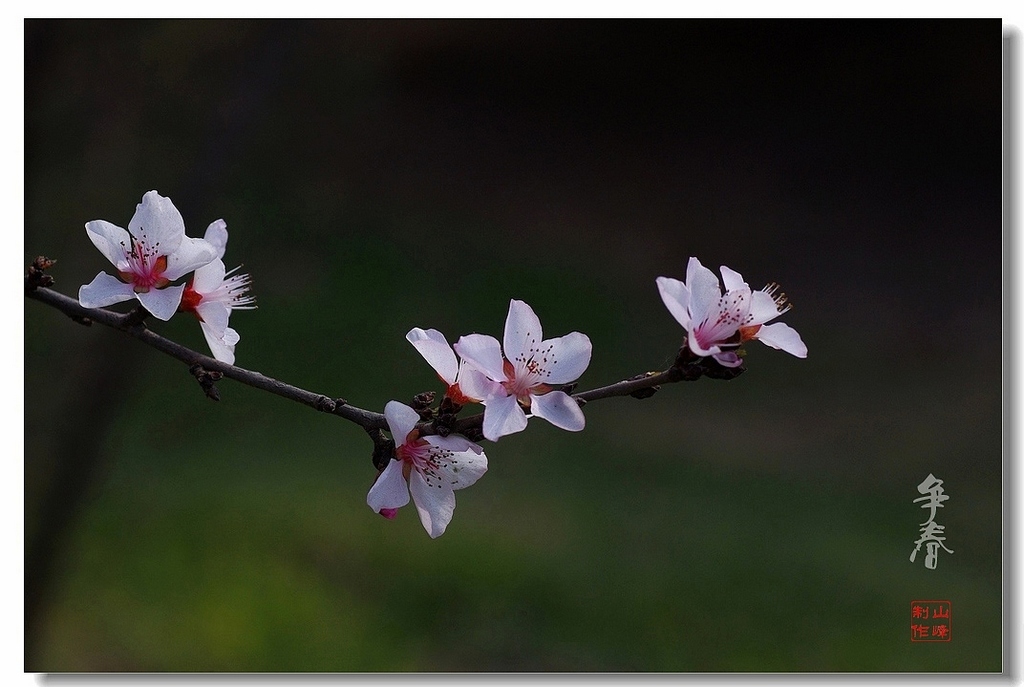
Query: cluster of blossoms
[(510, 379), (154, 252), (514, 379)]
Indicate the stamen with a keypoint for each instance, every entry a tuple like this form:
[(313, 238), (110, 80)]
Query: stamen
[(782, 303)]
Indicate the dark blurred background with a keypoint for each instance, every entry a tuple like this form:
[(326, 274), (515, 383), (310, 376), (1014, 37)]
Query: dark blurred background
[(381, 175)]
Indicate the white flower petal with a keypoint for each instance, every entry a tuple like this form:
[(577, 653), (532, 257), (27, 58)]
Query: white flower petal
[(460, 463), (435, 350), (390, 489), (732, 279), (111, 240), (208, 278), (475, 385), (231, 337), (435, 503), (217, 236), (783, 337), (219, 346), (162, 303), (522, 330), (104, 290), (158, 224), (704, 291), (676, 298), (568, 358), (484, 353), (502, 416), (401, 420), (189, 255), (560, 409), (762, 308), (215, 316)]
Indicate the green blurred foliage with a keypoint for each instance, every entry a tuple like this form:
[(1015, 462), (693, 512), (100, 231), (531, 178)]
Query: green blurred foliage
[(377, 176)]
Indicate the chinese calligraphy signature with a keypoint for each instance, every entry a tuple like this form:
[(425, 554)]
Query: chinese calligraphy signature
[(932, 533)]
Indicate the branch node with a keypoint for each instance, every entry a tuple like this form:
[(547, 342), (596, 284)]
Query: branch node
[(36, 276), (383, 448), (715, 371), (136, 317), (444, 424), (474, 434), (447, 405), (421, 404), (648, 391), (206, 379), (325, 405)]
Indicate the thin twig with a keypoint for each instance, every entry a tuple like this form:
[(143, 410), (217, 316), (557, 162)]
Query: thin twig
[(207, 370), (71, 307)]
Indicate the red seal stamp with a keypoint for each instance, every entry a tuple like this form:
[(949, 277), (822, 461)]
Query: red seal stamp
[(931, 621)]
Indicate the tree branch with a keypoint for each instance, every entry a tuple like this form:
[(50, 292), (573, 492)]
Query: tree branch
[(128, 323), (207, 370)]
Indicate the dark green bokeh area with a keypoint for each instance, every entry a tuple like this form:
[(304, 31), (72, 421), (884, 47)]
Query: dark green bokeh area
[(377, 176)]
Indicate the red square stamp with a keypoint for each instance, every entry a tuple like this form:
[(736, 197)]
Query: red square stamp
[(931, 621)]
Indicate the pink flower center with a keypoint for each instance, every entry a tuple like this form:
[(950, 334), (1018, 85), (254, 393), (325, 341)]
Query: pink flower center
[(523, 379), (415, 453), (143, 266), (724, 320)]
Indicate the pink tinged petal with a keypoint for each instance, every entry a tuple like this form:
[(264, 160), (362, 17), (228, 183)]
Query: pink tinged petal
[(728, 359), (158, 224), (704, 291), (460, 463), (783, 337), (390, 490), (389, 513), (475, 385), (676, 298), (522, 330), (401, 420), (567, 358), (723, 321), (560, 409), (217, 236), (221, 349), (484, 353), (104, 290), (434, 501), (208, 278), (733, 280), (503, 415), (189, 255), (162, 303), (762, 308), (113, 241), (434, 348), (695, 345)]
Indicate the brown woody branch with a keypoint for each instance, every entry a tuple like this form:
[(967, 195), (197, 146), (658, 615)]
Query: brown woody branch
[(207, 370)]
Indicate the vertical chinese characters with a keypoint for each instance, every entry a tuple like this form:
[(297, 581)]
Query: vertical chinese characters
[(932, 533), (931, 621)]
